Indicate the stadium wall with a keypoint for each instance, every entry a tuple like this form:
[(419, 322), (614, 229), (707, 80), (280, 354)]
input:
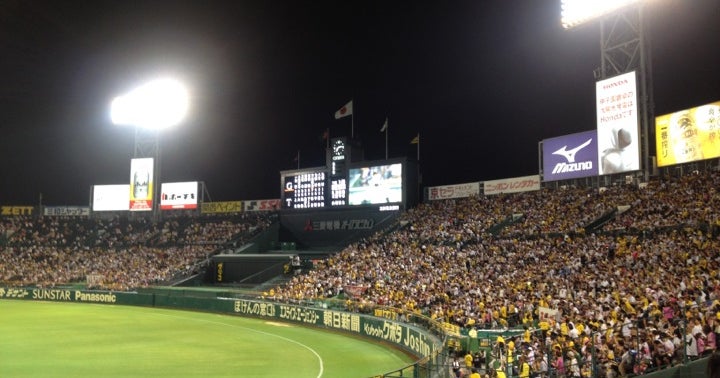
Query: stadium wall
[(334, 228)]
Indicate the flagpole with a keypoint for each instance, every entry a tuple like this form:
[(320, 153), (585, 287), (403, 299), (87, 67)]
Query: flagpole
[(387, 130), (418, 147), (352, 120), (298, 159)]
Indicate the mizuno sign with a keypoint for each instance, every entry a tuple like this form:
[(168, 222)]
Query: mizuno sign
[(570, 156)]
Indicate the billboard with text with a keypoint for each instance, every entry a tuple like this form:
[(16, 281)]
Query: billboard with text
[(66, 211), (618, 136), (454, 191), (512, 185), (179, 195), (262, 205), (570, 156), (688, 135)]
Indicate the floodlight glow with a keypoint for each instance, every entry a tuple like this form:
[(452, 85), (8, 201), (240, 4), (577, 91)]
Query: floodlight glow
[(158, 104), (576, 12)]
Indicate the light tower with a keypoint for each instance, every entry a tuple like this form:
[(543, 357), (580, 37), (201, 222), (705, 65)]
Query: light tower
[(624, 47), (150, 108)]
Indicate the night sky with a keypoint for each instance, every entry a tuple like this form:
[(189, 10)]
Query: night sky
[(481, 81)]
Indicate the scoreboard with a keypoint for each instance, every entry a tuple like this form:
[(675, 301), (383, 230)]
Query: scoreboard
[(304, 190), (387, 184), (381, 183)]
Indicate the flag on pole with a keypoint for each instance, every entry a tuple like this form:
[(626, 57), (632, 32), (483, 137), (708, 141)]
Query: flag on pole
[(415, 140), (384, 126), (345, 110)]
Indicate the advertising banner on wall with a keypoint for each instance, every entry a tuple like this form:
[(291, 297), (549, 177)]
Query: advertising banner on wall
[(222, 207), (141, 184), (111, 197), (512, 185), (17, 210), (263, 205), (570, 156), (688, 135), (178, 195), (617, 124), (454, 191), (72, 211)]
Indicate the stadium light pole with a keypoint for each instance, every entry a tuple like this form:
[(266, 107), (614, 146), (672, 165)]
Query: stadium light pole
[(624, 47), (150, 108)]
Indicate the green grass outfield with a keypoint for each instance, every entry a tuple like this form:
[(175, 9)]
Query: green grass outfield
[(54, 339)]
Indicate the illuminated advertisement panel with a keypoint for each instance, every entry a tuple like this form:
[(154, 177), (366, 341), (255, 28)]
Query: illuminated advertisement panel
[(141, 184), (618, 137), (178, 195), (111, 198), (570, 156), (304, 190), (688, 135), (375, 185)]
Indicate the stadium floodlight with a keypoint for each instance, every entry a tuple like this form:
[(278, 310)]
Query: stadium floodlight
[(576, 12), (155, 105)]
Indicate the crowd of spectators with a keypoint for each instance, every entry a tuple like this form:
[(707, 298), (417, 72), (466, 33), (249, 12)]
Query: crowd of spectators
[(631, 288), (642, 290), (125, 253)]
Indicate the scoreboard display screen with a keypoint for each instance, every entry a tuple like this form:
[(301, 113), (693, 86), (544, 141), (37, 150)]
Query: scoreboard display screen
[(338, 191), (304, 190), (375, 185)]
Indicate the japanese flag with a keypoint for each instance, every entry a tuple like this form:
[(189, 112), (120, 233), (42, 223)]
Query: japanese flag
[(344, 111)]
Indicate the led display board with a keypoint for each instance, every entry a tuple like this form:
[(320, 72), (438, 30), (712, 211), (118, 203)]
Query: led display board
[(375, 184), (338, 191), (304, 189), (688, 135), (111, 198), (141, 184), (570, 156), (618, 136), (179, 195)]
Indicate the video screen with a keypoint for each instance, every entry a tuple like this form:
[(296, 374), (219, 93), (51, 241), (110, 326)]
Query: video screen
[(111, 197), (375, 185)]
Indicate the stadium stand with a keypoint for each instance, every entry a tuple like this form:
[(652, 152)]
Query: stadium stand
[(640, 292)]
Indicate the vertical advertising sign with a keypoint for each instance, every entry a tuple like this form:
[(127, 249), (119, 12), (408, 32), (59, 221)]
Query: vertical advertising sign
[(570, 156), (141, 184), (688, 135), (617, 124)]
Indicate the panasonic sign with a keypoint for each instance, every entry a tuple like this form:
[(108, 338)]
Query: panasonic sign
[(570, 156)]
